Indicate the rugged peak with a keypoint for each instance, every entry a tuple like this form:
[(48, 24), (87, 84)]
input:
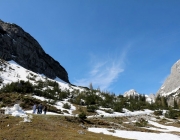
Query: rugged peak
[(172, 83), (20, 46), (131, 92), (176, 67)]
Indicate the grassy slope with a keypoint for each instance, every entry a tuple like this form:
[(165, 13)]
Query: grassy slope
[(46, 128)]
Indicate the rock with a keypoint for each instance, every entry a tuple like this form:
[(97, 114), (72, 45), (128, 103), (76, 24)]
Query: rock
[(18, 45), (131, 92), (170, 101), (172, 83), (152, 96), (81, 132)]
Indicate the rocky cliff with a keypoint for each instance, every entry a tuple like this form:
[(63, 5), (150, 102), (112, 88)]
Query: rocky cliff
[(172, 83), (18, 45)]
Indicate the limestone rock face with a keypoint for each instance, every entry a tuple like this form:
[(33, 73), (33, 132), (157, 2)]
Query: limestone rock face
[(18, 45), (131, 92), (172, 83)]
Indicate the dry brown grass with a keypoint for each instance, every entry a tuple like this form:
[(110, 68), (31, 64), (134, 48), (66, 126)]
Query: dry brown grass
[(46, 127), (80, 109), (175, 123)]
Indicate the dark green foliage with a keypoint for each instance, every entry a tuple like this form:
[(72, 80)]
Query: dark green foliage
[(2, 105), (86, 98), (19, 87), (67, 106), (62, 95), (135, 103), (40, 84), (108, 100), (161, 102), (54, 92), (118, 106), (91, 98), (92, 108), (26, 102), (6, 100), (52, 83), (175, 104), (82, 116), (23, 105), (158, 112), (110, 111), (77, 99), (172, 114)]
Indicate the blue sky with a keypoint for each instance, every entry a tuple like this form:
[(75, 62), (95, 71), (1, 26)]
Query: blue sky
[(116, 45)]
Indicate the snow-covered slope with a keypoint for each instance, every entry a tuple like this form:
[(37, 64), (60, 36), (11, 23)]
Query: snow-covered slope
[(12, 72)]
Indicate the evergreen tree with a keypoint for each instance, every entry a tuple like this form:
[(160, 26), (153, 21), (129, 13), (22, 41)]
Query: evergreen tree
[(164, 102), (90, 86), (175, 104)]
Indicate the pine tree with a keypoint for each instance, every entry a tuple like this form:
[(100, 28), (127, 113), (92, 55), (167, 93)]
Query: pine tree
[(164, 102), (175, 104), (90, 86)]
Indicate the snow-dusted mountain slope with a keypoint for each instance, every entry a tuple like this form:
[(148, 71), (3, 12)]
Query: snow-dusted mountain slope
[(131, 92), (12, 72), (172, 82), (134, 93), (20, 46)]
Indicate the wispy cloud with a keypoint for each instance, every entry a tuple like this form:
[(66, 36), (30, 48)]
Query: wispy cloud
[(104, 72)]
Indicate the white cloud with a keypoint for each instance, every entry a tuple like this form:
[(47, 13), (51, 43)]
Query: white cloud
[(104, 72)]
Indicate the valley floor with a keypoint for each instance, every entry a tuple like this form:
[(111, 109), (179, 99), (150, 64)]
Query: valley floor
[(59, 127), (46, 127)]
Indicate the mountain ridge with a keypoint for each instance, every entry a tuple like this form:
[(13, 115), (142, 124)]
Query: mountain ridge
[(20, 46), (172, 82)]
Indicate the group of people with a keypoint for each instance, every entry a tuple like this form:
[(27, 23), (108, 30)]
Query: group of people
[(39, 108)]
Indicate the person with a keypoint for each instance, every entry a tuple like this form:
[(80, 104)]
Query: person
[(40, 108), (45, 109), (34, 109)]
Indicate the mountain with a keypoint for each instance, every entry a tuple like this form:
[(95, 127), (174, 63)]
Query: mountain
[(171, 86), (20, 46), (133, 93), (172, 82)]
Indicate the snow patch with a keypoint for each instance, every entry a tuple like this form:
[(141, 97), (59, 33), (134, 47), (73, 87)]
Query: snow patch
[(16, 111), (135, 134)]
